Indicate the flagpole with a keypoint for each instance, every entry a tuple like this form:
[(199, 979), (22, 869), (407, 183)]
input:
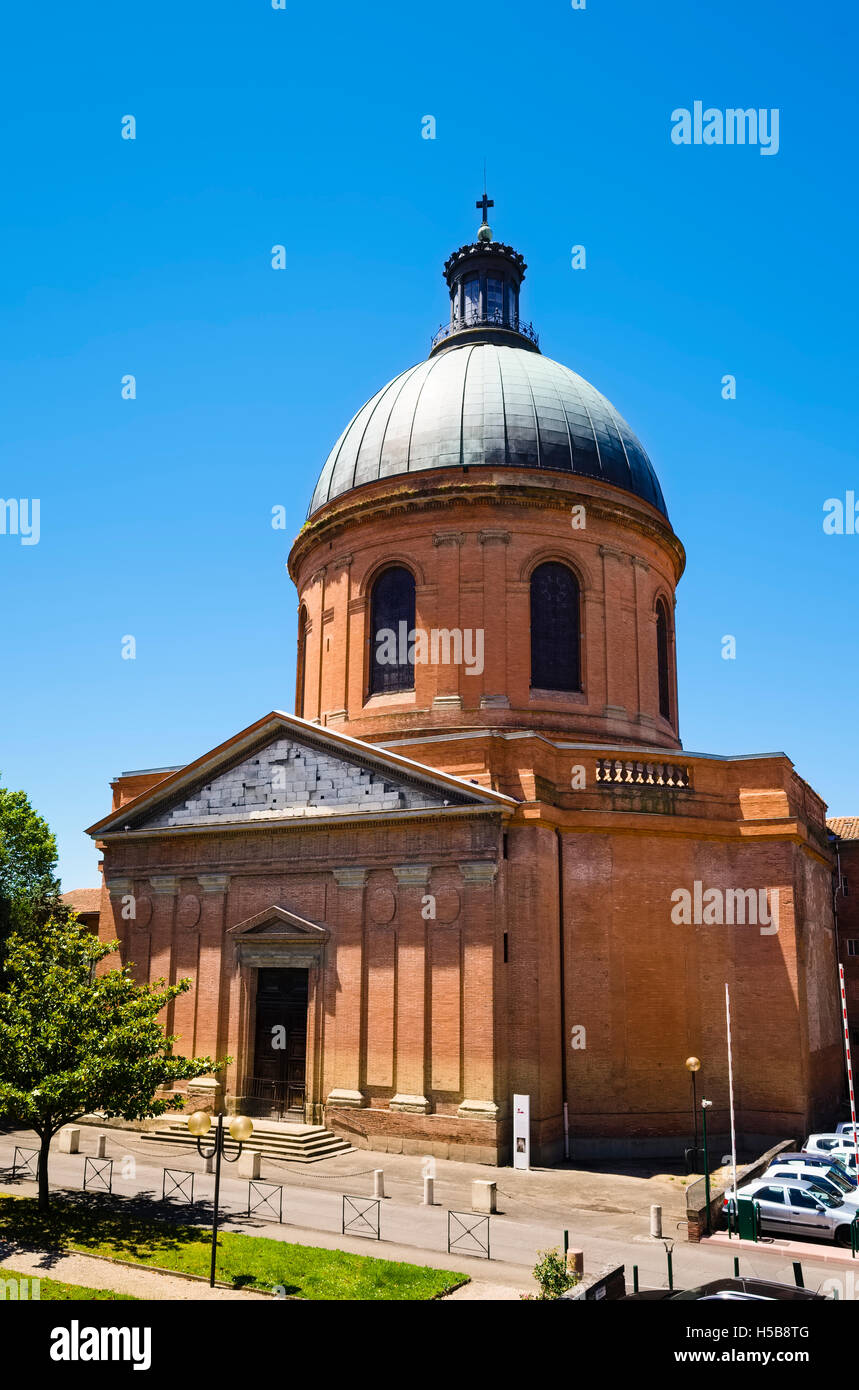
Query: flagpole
[(731, 1087)]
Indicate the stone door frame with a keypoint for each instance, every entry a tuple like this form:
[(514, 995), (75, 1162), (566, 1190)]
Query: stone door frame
[(280, 939)]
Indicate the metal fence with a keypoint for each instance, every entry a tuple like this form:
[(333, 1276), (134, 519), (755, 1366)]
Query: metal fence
[(468, 1234), (264, 1202), (181, 1181), (361, 1216)]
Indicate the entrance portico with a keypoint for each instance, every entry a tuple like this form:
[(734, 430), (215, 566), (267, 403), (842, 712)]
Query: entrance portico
[(280, 959)]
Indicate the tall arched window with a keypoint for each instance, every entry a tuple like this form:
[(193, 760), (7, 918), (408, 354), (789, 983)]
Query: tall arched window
[(663, 661), (301, 665), (555, 628), (392, 621)]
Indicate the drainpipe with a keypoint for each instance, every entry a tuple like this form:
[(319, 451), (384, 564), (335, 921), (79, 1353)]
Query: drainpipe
[(560, 842)]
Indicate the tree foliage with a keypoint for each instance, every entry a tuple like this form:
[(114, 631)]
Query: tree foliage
[(29, 888), (73, 1041)]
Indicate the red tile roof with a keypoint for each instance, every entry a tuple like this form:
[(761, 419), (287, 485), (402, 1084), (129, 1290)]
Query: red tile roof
[(83, 899), (845, 827)]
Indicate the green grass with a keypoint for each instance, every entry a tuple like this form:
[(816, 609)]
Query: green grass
[(100, 1227), (53, 1290)]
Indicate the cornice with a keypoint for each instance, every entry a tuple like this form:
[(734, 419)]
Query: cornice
[(408, 495)]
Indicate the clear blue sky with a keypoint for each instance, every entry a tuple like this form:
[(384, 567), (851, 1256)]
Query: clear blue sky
[(303, 127)]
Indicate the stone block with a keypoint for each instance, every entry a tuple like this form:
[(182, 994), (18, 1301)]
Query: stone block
[(483, 1195), (249, 1163), (69, 1140)]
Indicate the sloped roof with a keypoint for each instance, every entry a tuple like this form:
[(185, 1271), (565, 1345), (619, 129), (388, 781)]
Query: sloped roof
[(83, 899), (845, 827)]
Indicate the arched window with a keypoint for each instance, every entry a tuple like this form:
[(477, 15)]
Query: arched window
[(392, 621), (301, 665), (555, 630), (663, 660)]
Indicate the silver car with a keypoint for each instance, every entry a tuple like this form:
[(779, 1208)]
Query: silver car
[(794, 1207)]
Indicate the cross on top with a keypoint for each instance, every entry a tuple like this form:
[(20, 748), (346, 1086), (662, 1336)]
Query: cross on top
[(485, 203)]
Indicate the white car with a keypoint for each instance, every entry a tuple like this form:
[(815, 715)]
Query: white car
[(796, 1208), (836, 1184), (846, 1127), (838, 1144)]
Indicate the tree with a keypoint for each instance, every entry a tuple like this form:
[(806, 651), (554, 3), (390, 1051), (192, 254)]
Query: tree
[(28, 862), (72, 1042)]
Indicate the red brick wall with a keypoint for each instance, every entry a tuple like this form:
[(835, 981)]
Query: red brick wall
[(472, 551)]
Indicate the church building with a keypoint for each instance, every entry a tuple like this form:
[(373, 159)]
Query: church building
[(477, 861)]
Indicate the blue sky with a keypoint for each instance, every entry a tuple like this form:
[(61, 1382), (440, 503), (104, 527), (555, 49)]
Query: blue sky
[(303, 127)]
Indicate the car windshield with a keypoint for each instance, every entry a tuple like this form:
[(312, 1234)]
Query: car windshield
[(840, 1180)]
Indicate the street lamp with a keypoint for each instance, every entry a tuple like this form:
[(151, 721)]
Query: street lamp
[(705, 1106), (692, 1066), (241, 1128)]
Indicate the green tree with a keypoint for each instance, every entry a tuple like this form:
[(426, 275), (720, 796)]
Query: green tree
[(73, 1041), (29, 888)]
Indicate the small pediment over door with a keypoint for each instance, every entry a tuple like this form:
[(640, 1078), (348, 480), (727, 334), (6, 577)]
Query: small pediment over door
[(278, 937)]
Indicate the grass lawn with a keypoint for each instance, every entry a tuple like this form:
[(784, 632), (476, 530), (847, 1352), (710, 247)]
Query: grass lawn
[(52, 1290), (102, 1227)]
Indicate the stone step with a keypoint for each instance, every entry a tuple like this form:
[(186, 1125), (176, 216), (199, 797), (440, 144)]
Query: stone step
[(297, 1143)]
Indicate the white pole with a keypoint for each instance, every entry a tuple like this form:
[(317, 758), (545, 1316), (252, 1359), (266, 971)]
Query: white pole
[(849, 1066), (731, 1087)]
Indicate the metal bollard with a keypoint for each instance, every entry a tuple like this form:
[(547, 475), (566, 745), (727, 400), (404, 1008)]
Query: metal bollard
[(656, 1222), (378, 1182), (429, 1199)]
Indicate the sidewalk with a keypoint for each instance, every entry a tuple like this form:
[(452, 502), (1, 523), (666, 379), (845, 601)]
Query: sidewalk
[(95, 1273)]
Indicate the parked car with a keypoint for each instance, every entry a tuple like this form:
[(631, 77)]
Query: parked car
[(843, 1189), (832, 1162), (846, 1127), (743, 1290), (830, 1143), (794, 1207)]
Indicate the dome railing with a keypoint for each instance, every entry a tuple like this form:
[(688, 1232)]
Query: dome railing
[(495, 320)]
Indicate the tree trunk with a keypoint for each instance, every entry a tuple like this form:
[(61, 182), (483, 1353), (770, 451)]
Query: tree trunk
[(44, 1193)]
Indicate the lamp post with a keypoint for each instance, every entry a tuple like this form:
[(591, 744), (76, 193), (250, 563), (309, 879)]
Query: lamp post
[(705, 1106), (693, 1065), (241, 1128)]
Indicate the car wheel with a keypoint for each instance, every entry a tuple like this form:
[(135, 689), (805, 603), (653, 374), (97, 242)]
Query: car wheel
[(842, 1235)]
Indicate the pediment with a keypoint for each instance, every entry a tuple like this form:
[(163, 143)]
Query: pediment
[(285, 770), (279, 924)]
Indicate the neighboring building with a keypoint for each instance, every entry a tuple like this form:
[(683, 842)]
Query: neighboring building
[(463, 869), (845, 839), (87, 905)]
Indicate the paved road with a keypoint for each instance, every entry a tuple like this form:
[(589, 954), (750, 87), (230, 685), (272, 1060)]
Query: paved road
[(605, 1214)]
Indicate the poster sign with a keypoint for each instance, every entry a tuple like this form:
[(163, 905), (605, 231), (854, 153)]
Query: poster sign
[(521, 1131)]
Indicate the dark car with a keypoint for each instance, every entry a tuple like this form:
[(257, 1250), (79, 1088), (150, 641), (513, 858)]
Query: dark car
[(741, 1290)]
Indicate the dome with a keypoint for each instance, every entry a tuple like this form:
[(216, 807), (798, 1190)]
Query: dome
[(487, 404)]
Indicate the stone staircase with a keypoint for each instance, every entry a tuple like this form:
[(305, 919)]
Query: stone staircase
[(296, 1143)]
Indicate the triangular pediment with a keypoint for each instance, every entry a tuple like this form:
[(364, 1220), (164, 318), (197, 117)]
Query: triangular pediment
[(286, 770), (279, 924)]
